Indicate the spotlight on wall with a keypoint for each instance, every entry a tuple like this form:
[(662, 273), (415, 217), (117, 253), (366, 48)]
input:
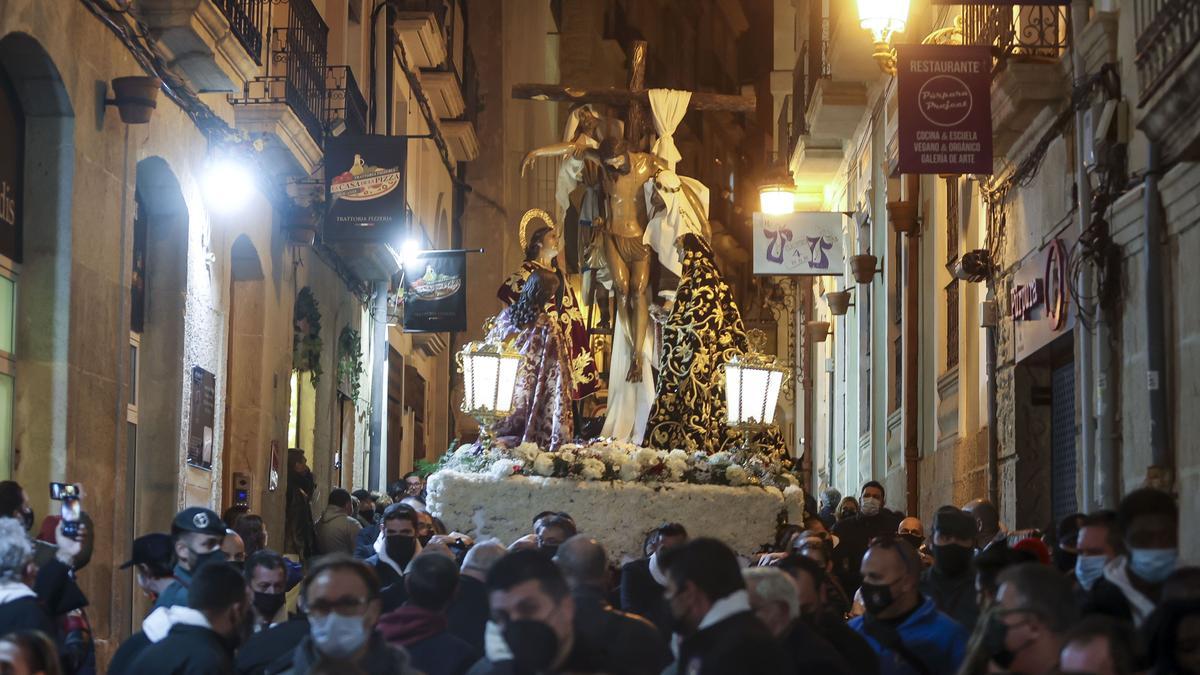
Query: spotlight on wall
[(410, 254), (228, 184)]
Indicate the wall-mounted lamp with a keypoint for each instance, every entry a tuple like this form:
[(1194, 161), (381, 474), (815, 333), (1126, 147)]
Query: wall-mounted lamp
[(302, 225), (884, 18), (777, 194), (228, 184), (135, 98)]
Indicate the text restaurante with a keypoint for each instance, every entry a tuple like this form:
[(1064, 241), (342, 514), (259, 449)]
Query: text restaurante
[(930, 66)]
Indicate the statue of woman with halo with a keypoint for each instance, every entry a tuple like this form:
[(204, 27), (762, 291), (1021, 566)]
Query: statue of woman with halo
[(543, 251), (541, 411)]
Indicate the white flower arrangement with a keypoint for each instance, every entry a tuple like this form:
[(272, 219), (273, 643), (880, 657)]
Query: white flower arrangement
[(736, 475), (543, 464)]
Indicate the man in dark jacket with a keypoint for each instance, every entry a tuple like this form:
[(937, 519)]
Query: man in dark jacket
[(420, 626), (196, 533), (396, 545), (711, 608), (817, 612), (469, 611), (201, 642), (630, 642), (829, 503), (950, 583), (855, 534), (775, 599), (19, 606), (906, 630), (643, 581), (342, 597)]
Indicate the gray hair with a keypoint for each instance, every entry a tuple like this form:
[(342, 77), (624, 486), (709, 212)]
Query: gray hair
[(773, 585), (832, 497), (482, 556), (15, 550)]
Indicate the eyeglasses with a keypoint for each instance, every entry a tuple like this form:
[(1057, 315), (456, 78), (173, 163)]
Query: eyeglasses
[(342, 606)]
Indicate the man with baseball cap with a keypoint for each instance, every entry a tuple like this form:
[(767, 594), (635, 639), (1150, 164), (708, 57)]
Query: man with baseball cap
[(950, 583), (196, 535), (152, 558)]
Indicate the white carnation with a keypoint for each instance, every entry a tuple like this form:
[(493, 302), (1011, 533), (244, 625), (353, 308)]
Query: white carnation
[(503, 468), (735, 474), (677, 454), (676, 468), (567, 456), (592, 469), (646, 457), (527, 451), (630, 470), (543, 465)]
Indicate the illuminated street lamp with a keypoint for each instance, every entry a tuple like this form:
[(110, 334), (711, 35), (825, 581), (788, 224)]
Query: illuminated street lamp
[(489, 370), (752, 384), (777, 194), (884, 18)]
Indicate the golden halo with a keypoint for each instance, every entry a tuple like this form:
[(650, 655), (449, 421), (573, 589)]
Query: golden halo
[(530, 215)]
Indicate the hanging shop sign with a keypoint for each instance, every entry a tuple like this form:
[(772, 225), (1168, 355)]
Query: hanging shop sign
[(1040, 301), (12, 169), (364, 189), (803, 243), (1003, 3), (202, 418), (435, 292), (945, 114)]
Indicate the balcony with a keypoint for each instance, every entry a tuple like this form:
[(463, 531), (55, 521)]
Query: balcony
[(1028, 73), (287, 106), (423, 28), (1168, 64), (216, 44), (345, 101)]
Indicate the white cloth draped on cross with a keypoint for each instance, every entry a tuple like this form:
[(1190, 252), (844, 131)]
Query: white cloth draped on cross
[(668, 107)]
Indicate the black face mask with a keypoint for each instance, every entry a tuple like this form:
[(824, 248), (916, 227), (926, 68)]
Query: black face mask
[(201, 559), (267, 604), (533, 644), (952, 560), (367, 515), (27, 517), (913, 539), (400, 548), (877, 597), (1064, 560), (549, 549), (846, 515)]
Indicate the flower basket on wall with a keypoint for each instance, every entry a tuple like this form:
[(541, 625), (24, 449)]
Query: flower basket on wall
[(306, 335)]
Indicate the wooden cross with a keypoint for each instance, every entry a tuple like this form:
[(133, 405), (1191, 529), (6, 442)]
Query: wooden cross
[(636, 97)]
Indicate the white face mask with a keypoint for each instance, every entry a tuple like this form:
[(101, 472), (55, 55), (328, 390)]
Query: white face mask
[(337, 636), (871, 506)]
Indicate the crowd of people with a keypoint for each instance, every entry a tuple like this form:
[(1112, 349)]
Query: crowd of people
[(853, 588)]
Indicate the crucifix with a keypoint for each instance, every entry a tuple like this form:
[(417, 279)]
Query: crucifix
[(626, 169)]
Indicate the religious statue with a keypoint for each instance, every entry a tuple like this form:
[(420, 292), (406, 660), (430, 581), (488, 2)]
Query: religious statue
[(541, 410), (543, 251)]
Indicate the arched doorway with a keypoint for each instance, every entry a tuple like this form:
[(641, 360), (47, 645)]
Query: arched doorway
[(247, 408), (157, 343), (35, 258)]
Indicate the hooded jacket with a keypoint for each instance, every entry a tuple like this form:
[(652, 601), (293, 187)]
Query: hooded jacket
[(336, 531), (927, 634), (424, 634)]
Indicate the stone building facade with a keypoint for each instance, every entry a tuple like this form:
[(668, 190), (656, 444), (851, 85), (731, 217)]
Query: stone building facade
[(140, 307), (1062, 221)]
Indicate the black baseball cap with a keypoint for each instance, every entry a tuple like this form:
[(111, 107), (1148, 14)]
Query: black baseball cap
[(199, 520), (153, 550)]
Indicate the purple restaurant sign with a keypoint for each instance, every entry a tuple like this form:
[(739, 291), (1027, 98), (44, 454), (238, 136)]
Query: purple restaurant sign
[(945, 109)]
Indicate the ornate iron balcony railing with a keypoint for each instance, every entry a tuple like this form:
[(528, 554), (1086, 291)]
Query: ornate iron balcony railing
[(246, 21), (345, 100), (1028, 32), (1167, 30)]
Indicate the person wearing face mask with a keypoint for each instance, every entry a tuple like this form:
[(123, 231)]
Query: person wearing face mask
[(813, 585), (950, 583), (425, 528), (341, 596), (200, 639), (366, 507), (1027, 629), (468, 613), (196, 534), (912, 530), (905, 630), (275, 635), (395, 546), (643, 581), (1148, 520), (551, 532), (1066, 536), (713, 616), (1097, 544), (775, 599), (856, 533)]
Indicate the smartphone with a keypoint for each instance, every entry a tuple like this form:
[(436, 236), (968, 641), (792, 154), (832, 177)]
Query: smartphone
[(69, 495)]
